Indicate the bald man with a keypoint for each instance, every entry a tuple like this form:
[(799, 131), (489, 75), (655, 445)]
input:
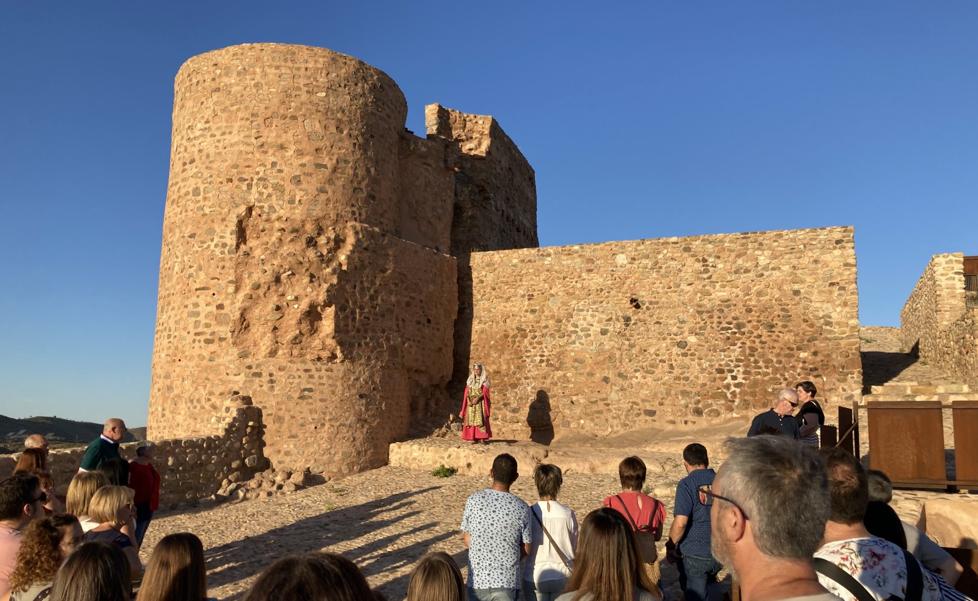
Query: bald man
[(104, 447), (36, 441)]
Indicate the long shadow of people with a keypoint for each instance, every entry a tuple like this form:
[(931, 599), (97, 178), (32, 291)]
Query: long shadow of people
[(539, 419), (247, 557)]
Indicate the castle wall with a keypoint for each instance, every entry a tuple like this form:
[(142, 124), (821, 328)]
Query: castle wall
[(283, 274), (609, 337), (190, 469), (938, 321)]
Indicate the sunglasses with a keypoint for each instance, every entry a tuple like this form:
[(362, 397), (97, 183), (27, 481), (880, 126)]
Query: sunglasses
[(707, 495), (42, 498)]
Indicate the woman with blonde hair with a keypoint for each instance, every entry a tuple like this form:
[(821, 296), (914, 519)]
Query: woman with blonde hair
[(44, 546), (80, 493), (113, 509), (176, 571), (94, 572), (436, 578), (608, 566)]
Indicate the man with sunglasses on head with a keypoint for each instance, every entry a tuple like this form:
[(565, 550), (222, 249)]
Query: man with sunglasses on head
[(756, 531), (778, 419), (21, 501)]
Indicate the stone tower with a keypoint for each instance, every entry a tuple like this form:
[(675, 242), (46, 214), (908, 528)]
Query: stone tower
[(306, 250)]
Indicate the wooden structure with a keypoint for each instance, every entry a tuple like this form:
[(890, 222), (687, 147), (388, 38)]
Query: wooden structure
[(906, 441)]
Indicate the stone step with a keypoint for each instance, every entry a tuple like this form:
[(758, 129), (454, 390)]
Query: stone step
[(919, 389), (944, 397)]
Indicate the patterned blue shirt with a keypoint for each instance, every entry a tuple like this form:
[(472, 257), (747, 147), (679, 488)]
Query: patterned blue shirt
[(696, 542), (498, 523)]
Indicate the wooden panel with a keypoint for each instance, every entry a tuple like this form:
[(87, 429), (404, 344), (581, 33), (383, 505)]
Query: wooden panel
[(965, 415), (906, 440), (971, 266), (828, 436), (846, 432)]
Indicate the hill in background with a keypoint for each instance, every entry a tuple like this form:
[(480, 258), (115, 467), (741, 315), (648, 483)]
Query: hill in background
[(59, 432)]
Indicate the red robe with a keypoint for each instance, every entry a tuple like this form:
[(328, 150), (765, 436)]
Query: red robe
[(474, 432)]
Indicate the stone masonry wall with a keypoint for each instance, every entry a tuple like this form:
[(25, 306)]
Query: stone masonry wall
[(303, 259), (938, 321), (191, 469), (608, 337)]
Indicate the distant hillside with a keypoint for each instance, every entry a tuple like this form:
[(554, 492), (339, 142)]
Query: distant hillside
[(58, 431)]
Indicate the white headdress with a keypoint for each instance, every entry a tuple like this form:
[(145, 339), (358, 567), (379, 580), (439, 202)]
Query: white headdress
[(477, 382)]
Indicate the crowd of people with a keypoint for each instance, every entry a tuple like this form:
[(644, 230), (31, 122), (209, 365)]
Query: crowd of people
[(789, 521)]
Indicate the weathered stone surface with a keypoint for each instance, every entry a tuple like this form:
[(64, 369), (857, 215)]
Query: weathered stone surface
[(938, 322), (188, 473), (950, 523), (610, 337)]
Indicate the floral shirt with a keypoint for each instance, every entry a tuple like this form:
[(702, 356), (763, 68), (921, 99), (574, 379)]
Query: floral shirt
[(877, 564)]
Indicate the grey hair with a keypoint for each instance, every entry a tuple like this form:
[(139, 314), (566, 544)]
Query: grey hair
[(788, 394), (769, 476)]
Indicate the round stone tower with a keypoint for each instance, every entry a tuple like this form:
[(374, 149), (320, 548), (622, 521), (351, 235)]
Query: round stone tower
[(280, 262)]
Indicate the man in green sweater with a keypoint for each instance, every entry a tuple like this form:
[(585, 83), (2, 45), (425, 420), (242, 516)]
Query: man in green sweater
[(104, 447)]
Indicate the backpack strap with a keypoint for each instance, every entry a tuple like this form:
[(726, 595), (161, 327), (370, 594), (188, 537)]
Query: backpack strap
[(627, 513), (842, 578), (563, 557), (915, 579)]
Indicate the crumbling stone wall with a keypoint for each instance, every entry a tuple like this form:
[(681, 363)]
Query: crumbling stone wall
[(303, 259), (938, 321), (604, 338), (190, 469)]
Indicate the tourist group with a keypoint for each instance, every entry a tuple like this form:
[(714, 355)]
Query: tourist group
[(786, 520)]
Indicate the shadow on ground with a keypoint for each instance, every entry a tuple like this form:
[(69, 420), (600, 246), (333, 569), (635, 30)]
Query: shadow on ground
[(247, 557)]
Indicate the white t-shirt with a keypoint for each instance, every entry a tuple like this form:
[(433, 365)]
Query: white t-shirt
[(877, 564), (544, 563), (86, 523)]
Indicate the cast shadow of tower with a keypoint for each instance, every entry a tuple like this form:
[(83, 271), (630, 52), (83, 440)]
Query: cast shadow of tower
[(539, 419)]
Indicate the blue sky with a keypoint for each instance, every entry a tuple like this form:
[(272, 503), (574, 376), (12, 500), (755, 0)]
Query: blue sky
[(641, 119)]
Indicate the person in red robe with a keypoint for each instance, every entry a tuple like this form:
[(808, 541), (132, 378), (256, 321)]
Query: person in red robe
[(475, 406)]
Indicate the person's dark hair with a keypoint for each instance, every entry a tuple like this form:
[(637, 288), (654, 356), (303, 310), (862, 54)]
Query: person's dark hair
[(311, 577), (847, 486), (695, 454), (96, 571), (766, 476), (608, 565), (176, 571), (116, 471), (15, 492), (39, 555), (32, 461), (504, 469), (808, 387), (631, 472), (880, 486), (882, 521), (436, 578), (548, 479)]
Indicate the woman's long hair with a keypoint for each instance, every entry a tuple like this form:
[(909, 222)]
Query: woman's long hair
[(607, 564), (311, 577), (176, 571), (39, 555), (96, 571), (31, 461), (436, 578)]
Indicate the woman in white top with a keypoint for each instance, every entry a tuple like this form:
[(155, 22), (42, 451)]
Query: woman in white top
[(554, 528)]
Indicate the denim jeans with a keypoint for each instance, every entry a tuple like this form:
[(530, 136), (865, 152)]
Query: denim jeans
[(493, 594), (548, 590), (695, 576), (144, 515)]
